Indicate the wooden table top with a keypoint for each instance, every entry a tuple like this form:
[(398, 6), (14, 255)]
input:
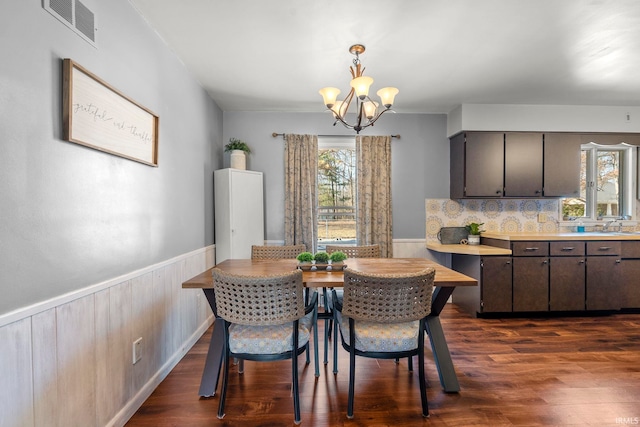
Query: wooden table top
[(445, 277)]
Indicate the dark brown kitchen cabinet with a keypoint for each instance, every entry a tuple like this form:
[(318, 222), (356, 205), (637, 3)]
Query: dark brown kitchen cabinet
[(493, 293), (604, 275), (567, 270), (630, 297), (561, 165), (523, 164), (477, 165), (630, 283), (530, 276), (496, 292)]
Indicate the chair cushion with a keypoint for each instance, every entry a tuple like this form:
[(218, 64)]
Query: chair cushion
[(270, 339), (307, 322), (381, 337)]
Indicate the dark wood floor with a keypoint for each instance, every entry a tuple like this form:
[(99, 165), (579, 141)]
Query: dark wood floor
[(523, 372)]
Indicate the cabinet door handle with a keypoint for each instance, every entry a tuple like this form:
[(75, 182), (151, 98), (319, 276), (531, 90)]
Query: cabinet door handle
[(581, 261), (546, 261), (567, 249), (499, 192), (531, 249), (538, 192), (508, 263), (618, 261), (604, 248)]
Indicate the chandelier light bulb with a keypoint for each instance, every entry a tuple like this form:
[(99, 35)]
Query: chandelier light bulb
[(387, 95), (370, 109), (329, 95), (361, 85)]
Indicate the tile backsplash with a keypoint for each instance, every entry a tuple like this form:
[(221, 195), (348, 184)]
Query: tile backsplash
[(504, 215)]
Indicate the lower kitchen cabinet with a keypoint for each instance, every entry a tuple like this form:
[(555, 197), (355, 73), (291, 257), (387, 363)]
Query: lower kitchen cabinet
[(567, 283), (604, 275), (567, 273), (496, 291), (530, 284), (630, 283)]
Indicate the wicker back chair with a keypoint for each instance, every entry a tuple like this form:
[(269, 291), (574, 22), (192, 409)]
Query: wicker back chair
[(276, 252), (264, 321), (366, 251), (383, 317)]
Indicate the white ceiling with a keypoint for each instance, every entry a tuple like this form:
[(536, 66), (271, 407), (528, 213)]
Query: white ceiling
[(257, 55)]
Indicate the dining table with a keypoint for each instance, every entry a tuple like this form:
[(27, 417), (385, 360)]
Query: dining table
[(445, 282)]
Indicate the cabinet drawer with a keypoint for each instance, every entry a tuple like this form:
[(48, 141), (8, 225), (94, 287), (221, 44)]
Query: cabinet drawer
[(603, 248), (530, 248), (570, 248)]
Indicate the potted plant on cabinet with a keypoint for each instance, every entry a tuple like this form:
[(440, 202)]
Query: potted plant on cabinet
[(337, 259), (239, 150), (305, 260), (474, 232)]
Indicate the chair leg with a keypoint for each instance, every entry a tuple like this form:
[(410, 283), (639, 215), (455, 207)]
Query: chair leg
[(352, 368), (410, 363), (294, 376), (315, 343), (225, 375), (423, 385), (335, 346)]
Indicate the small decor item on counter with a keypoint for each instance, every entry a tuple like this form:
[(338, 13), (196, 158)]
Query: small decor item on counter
[(474, 232), (452, 235), (322, 260), (336, 260), (239, 150), (305, 261), (580, 227)]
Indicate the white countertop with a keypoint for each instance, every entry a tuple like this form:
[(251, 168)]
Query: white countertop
[(562, 236)]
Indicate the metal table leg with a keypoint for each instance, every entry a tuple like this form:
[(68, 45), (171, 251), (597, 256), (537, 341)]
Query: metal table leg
[(441, 353), (211, 373)]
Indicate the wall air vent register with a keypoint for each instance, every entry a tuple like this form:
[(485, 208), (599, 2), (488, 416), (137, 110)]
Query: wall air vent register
[(75, 15)]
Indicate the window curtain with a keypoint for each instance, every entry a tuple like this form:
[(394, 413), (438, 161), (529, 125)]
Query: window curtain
[(373, 206), (300, 199)]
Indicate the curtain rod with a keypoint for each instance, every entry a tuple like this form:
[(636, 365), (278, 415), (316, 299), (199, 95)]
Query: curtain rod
[(274, 134)]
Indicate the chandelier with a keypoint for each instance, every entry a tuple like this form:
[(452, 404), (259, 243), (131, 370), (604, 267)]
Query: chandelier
[(366, 109)]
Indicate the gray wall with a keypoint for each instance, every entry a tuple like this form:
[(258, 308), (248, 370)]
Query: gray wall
[(71, 216), (420, 160)]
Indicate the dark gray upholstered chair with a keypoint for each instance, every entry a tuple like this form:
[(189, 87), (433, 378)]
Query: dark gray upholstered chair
[(383, 316), (263, 321)]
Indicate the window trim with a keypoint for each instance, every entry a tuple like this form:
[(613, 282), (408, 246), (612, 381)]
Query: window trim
[(627, 178)]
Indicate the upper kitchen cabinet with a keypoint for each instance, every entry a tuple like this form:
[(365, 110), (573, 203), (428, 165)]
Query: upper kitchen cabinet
[(523, 164), (562, 164), (514, 164), (477, 165)]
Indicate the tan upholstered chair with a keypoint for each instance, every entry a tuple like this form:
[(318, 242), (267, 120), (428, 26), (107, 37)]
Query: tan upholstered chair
[(366, 251), (263, 321), (383, 316), (282, 252), (276, 252)]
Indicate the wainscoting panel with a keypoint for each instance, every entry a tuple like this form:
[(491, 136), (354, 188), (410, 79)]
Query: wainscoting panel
[(71, 363), (16, 392)]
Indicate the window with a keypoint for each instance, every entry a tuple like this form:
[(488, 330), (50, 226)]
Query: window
[(606, 182), (336, 191)]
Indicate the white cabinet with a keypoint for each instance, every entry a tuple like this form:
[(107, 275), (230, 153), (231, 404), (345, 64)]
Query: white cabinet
[(239, 217)]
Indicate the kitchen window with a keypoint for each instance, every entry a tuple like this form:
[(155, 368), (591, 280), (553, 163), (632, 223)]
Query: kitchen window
[(606, 183)]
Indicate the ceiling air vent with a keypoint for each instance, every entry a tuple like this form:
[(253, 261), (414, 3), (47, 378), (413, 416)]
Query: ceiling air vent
[(75, 15)]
